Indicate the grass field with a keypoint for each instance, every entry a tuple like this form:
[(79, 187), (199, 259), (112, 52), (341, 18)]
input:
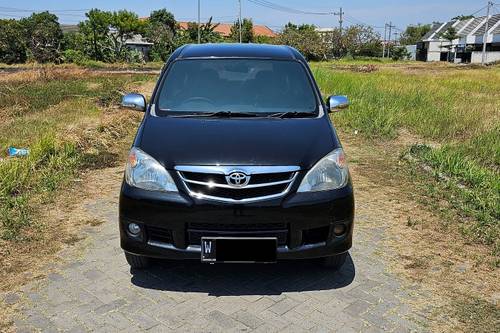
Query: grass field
[(67, 120), (455, 110)]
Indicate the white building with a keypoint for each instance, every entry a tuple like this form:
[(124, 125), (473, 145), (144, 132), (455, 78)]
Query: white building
[(140, 44), (468, 47)]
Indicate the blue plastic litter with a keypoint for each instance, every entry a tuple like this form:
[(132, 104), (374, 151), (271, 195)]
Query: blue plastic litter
[(16, 152)]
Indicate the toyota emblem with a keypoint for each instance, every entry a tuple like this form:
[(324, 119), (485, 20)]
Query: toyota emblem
[(237, 179)]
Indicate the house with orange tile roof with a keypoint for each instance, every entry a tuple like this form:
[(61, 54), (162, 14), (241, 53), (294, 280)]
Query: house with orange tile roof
[(225, 29)]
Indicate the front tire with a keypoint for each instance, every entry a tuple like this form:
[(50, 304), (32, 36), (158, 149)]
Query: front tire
[(137, 262), (335, 262)]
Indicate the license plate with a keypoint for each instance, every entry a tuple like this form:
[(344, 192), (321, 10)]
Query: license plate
[(238, 249)]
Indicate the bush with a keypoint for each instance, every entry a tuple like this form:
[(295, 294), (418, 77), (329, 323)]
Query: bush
[(74, 56), (305, 39), (400, 53), (134, 56), (50, 162)]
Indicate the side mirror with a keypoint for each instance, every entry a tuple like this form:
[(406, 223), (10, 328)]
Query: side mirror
[(337, 103), (135, 102)]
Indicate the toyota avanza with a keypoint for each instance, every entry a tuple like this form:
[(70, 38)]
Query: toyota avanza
[(236, 160)]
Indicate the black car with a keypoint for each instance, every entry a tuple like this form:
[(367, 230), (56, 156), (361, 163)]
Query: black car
[(236, 160)]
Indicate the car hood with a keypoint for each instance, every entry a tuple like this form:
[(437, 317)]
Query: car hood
[(233, 141)]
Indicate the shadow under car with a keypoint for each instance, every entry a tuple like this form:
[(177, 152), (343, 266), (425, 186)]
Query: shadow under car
[(243, 279)]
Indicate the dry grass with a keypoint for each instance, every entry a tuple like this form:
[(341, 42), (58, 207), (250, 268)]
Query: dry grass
[(429, 251), (455, 107), (98, 134)]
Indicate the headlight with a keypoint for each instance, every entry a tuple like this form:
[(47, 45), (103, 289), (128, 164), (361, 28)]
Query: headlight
[(145, 172), (329, 173)]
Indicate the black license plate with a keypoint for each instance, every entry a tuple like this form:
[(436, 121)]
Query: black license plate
[(238, 249)]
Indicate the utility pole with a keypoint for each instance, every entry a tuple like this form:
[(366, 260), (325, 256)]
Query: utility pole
[(240, 20), (396, 38), (199, 23), (385, 40), (340, 14), (485, 36), (389, 43)]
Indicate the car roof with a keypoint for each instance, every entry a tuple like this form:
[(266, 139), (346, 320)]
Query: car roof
[(235, 50)]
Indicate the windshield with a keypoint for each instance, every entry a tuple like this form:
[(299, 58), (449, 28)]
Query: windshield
[(236, 85)]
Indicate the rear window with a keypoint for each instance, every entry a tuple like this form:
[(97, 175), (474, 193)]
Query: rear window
[(236, 85)]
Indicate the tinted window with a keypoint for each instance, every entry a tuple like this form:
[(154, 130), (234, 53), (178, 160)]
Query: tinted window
[(236, 85)]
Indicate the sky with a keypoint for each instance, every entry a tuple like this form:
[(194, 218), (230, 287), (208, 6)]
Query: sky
[(375, 13)]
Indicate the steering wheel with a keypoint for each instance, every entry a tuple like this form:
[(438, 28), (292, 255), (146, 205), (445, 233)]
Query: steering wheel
[(199, 99)]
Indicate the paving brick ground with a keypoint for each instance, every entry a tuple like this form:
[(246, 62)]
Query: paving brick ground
[(93, 289)]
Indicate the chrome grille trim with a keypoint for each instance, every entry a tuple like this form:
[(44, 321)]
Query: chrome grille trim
[(226, 170), (232, 187)]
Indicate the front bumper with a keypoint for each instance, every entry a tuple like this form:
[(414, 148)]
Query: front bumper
[(307, 221)]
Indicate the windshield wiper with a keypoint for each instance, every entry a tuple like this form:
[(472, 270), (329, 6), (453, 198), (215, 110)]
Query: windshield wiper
[(291, 114), (218, 114)]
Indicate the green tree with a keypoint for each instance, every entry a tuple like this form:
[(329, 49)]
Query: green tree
[(305, 39), (247, 35), (400, 53), (361, 40), (414, 33), (73, 47), (450, 34), (462, 17), (96, 29), (124, 25), (207, 33), (12, 44), (161, 30), (43, 36), (261, 39), (73, 40)]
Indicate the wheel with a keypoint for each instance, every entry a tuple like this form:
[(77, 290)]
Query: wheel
[(137, 262), (335, 262)]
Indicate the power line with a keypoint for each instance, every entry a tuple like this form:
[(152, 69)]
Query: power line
[(361, 22), (217, 18), (271, 5), (479, 10), (11, 9), (10, 15)]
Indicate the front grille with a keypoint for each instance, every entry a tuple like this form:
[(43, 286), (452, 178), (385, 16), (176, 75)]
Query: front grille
[(221, 179), (198, 230), (237, 193), (265, 183), (159, 235), (270, 177)]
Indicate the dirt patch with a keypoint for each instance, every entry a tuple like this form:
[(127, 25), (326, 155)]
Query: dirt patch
[(357, 68), (54, 72)]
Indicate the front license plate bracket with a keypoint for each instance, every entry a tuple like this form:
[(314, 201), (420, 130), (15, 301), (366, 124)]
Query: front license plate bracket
[(238, 249)]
